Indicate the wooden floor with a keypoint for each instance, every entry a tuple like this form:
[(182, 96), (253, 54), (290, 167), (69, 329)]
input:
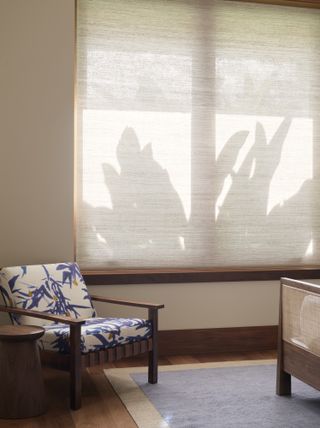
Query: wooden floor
[(101, 407)]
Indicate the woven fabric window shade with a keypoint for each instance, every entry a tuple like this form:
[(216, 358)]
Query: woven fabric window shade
[(198, 135)]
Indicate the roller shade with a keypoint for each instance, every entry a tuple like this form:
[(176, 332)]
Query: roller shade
[(198, 135)]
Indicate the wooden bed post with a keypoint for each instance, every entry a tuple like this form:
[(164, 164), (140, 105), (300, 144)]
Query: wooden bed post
[(283, 378), (75, 366), (153, 354)]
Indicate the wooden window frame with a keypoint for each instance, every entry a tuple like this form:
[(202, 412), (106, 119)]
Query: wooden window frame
[(167, 276), (293, 3)]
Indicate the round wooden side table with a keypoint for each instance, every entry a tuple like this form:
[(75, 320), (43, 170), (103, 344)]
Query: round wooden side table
[(21, 383)]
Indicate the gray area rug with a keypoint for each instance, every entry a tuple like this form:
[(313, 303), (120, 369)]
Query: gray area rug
[(226, 397)]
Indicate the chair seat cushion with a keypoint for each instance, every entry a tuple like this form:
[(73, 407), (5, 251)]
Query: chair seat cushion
[(96, 334)]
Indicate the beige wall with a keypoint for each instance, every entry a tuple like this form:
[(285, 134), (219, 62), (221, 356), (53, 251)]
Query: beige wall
[(36, 131), (36, 134), (202, 305)]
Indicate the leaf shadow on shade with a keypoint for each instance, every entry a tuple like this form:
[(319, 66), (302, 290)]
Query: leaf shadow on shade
[(147, 218)]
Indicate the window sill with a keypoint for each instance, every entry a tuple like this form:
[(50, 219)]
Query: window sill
[(165, 276)]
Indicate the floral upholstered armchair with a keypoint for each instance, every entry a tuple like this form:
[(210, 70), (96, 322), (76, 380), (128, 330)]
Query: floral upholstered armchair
[(55, 297)]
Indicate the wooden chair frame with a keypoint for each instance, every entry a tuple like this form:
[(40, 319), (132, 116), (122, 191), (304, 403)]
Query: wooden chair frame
[(294, 360), (76, 361)]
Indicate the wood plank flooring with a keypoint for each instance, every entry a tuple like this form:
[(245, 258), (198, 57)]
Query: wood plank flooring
[(101, 407)]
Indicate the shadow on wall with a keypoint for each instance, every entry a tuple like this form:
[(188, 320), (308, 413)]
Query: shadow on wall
[(148, 215)]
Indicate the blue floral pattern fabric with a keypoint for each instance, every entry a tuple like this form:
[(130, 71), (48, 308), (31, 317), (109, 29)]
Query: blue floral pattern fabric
[(52, 288), (60, 289), (97, 334)]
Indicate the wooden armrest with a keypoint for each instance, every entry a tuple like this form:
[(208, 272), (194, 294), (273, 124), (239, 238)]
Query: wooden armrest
[(36, 314), (126, 302), (302, 285)]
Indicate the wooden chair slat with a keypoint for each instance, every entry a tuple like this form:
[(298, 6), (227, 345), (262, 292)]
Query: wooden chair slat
[(128, 350), (143, 346), (136, 348), (111, 355), (119, 352)]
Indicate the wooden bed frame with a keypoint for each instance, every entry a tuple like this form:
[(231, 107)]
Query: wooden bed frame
[(295, 360)]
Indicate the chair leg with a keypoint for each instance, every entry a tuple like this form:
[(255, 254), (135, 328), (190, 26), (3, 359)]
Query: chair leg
[(75, 367), (153, 355), (153, 367)]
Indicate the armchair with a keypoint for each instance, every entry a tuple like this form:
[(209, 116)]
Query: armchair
[(55, 297), (299, 334)]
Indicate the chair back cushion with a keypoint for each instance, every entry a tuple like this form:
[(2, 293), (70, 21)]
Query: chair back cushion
[(53, 288)]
